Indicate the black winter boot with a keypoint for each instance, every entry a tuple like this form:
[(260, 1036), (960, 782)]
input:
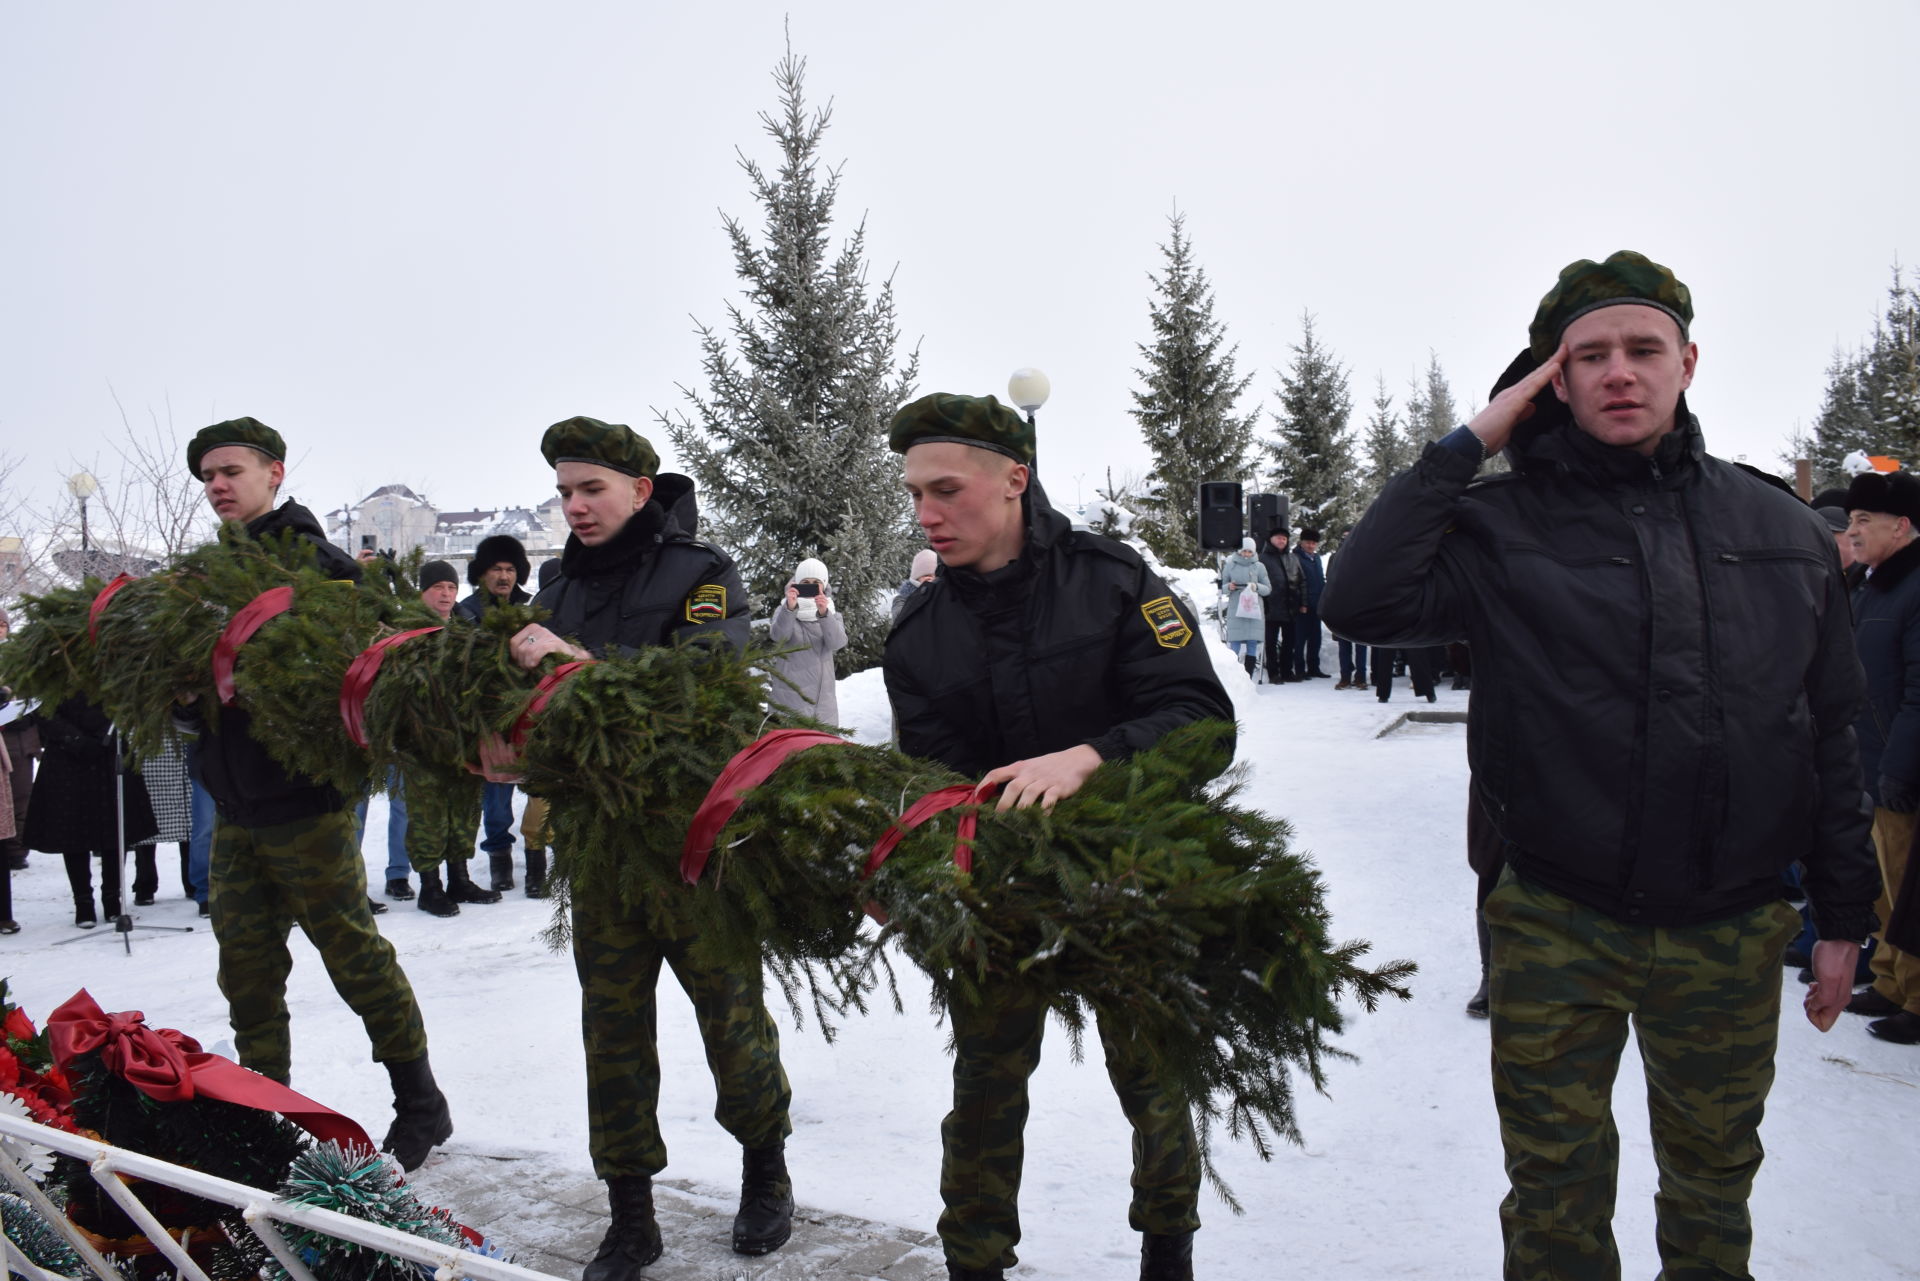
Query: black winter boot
[(633, 1238), (398, 889), (1248, 660), (536, 873), (765, 1220), (501, 865), (420, 1116), (957, 1273), (433, 898), (460, 886), (1166, 1256)]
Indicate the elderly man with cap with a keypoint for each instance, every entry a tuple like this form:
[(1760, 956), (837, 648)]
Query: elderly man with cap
[(1664, 695), (1883, 510), (631, 577), (1038, 653), (284, 850), (496, 572)]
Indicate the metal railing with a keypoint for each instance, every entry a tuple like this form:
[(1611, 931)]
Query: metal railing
[(263, 1212)]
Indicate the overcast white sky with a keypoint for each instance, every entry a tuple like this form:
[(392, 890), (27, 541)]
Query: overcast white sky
[(412, 235)]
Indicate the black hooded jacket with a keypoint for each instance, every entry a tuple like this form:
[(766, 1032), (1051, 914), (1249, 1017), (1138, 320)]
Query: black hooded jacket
[(1075, 642), (248, 786), (1664, 678), (1886, 624), (650, 584)]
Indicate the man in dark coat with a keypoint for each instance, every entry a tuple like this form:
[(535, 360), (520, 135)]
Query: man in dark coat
[(1282, 606), (632, 576), (1664, 695), (1313, 579), (1039, 653), (284, 851), (498, 568), (1883, 510)]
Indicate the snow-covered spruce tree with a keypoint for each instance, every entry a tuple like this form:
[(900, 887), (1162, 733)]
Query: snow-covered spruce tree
[(1388, 452), (1872, 400), (788, 440), (1187, 405), (1431, 412), (1311, 455)]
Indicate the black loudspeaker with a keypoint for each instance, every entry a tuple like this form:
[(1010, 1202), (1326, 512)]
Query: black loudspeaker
[(1220, 515), (1266, 513)]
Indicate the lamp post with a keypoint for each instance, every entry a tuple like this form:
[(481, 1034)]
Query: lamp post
[(1028, 388), (83, 486)]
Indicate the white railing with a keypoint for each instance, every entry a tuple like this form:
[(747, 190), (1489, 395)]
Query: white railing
[(263, 1212)]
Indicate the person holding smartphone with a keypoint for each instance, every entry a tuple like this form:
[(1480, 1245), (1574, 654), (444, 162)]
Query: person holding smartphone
[(808, 631)]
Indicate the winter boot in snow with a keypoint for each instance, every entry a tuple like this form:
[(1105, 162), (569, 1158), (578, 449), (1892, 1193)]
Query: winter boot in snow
[(420, 1116), (433, 898), (765, 1220), (1166, 1256), (1248, 660), (536, 873), (501, 865), (633, 1238), (1477, 1003), (957, 1273), (460, 886), (398, 889)]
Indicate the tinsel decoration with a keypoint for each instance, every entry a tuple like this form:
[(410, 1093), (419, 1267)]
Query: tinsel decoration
[(361, 1186), (39, 1240)]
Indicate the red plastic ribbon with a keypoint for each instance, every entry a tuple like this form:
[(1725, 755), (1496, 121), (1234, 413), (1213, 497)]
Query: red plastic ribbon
[(239, 630), (100, 603), (750, 767), (358, 682), (542, 695), (169, 1066), (925, 808)]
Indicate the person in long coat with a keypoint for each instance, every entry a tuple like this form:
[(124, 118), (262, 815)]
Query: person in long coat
[(74, 812), (807, 626), (1238, 573)]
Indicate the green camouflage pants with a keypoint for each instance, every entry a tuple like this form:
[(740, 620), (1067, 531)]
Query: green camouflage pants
[(1704, 1002), (442, 820), (618, 959), (266, 880), (996, 1048)]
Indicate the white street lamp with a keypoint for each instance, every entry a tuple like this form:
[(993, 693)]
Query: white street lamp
[(1029, 389), (83, 486)]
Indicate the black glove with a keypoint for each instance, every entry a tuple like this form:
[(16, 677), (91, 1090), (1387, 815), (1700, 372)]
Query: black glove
[(1898, 795)]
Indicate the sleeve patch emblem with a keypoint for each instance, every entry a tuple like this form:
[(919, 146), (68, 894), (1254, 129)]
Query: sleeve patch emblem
[(1169, 626), (708, 604)]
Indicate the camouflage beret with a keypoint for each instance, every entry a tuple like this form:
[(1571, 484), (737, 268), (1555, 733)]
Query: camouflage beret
[(980, 421), (250, 432), (588, 440), (1584, 286)]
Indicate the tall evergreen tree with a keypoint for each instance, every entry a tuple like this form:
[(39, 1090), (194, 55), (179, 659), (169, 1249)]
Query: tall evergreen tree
[(1311, 456), (1872, 398), (1187, 408), (1388, 452), (789, 439)]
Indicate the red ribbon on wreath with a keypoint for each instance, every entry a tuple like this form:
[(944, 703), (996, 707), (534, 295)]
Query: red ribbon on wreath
[(171, 1067), (926, 807), (753, 765), (358, 682), (246, 620), (542, 695), (100, 603)]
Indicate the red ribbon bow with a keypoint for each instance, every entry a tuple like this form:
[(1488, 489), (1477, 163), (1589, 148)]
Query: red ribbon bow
[(246, 620), (358, 681), (171, 1067)]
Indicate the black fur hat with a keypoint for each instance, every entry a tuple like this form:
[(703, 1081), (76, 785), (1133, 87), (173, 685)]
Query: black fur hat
[(1894, 493), (494, 549)]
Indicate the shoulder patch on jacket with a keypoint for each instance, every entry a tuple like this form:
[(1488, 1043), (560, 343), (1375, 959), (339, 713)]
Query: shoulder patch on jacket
[(1169, 626), (707, 604)]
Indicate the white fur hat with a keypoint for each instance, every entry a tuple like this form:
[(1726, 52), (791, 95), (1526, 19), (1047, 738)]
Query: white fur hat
[(810, 568)]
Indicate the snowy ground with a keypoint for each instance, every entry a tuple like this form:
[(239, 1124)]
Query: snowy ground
[(1400, 1175)]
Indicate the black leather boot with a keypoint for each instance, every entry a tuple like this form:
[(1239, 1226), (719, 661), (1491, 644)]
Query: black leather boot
[(501, 865), (765, 1220), (957, 1273), (633, 1238), (1166, 1256), (460, 886), (398, 889), (420, 1116), (536, 873), (433, 897), (1248, 661)]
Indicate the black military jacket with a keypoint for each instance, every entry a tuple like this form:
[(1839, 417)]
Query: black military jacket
[(1075, 642)]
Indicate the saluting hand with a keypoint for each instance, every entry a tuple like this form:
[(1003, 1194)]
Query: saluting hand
[(1494, 425), (1044, 779)]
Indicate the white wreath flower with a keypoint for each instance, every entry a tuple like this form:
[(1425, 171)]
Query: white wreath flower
[(31, 1157)]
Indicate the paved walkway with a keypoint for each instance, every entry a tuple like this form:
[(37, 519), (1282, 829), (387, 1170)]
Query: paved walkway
[(552, 1219)]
